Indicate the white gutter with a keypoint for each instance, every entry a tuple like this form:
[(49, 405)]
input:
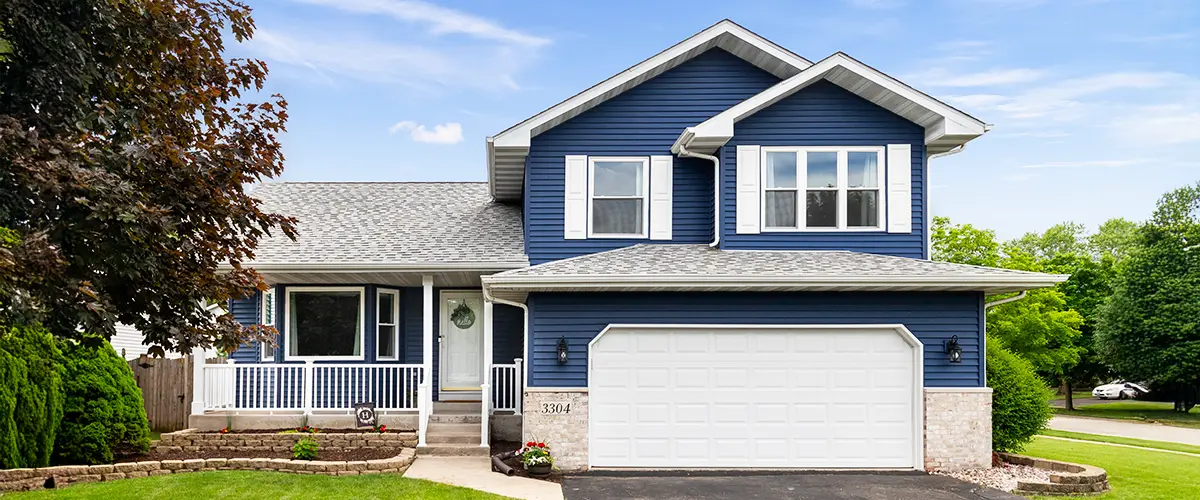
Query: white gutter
[(683, 152), (380, 266), (1014, 298), (487, 296)]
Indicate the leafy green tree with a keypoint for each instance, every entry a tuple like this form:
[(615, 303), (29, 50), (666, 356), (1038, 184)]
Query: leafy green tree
[(1115, 238), (1067, 238), (1040, 328), (963, 244), (1149, 328), (125, 146)]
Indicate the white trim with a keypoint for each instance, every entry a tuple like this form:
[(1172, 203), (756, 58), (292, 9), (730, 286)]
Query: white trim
[(556, 389), (645, 196), (958, 390), (395, 324), (378, 267), (918, 403), (842, 188), (443, 322), (266, 353), (747, 191), (899, 188), (362, 316), (662, 169), (721, 281), (716, 131), (575, 197)]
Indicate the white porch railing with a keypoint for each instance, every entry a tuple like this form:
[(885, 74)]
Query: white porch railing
[(310, 387), (506, 387)]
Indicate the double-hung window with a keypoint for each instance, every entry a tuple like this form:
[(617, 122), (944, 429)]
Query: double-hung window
[(822, 188), (617, 204), (386, 333), (268, 319), (324, 323)]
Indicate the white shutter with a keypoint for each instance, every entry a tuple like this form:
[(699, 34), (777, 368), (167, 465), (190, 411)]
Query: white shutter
[(660, 197), (748, 208), (899, 188), (575, 198)]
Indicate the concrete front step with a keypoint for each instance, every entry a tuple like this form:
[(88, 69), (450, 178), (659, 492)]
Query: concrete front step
[(442, 428), (456, 408), (443, 418), (454, 450), (436, 438)]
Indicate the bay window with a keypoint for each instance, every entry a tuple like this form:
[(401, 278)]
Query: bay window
[(822, 188), (324, 323)]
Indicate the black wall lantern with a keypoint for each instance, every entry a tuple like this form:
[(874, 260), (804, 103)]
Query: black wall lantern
[(953, 349), (562, 350)]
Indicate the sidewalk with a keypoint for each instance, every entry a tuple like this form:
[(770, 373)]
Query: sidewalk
[(1153, 432), (476, 473)]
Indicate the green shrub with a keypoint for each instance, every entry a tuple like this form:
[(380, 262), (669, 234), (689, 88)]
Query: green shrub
[(31, 396), (1019, 399), (305, 449), (104, 416)]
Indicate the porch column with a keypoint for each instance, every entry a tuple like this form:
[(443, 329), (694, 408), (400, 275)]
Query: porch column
[(426, 390), (198, 359), (485, 394)]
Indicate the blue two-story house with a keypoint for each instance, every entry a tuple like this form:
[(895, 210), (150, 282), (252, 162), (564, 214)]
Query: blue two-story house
[(717, 258)]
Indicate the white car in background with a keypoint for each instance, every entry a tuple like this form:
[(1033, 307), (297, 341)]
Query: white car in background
[(1119, 389)]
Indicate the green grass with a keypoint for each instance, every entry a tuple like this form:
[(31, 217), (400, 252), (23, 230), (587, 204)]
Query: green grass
[(1146, 411), (1133, 474), (265, 485), (1159, 445)]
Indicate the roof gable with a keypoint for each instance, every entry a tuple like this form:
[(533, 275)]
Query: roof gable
[(506, 151), (945, 127)]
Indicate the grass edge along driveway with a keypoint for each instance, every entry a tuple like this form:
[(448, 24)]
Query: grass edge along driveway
[(264, 485), (1133, 474), (1144, 443), (1142, 411)]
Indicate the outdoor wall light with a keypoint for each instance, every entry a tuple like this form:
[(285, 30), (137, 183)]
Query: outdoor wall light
[(953, 349), (562, 350)]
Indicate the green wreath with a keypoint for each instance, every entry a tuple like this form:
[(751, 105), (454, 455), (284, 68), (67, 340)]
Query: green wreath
[(462, 316)]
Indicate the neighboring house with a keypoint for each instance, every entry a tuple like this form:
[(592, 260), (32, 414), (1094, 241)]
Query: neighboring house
[(128, 340), (717, 258)]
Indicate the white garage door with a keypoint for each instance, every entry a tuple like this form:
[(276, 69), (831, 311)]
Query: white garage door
[(720, 397)]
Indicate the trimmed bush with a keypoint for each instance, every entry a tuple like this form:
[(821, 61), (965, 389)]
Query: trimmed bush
[(305, 449), (31, 396), (1019, 399), (103, 416)]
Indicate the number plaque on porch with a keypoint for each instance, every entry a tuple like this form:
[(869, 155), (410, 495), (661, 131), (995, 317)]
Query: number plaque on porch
[(364, 414)]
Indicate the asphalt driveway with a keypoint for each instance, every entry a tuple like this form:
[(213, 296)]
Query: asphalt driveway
[(766, 485)]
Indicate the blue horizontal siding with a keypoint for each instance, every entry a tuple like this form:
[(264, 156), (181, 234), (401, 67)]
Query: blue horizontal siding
[(643, 121), (579, 317), (246, 311), (826, 115)]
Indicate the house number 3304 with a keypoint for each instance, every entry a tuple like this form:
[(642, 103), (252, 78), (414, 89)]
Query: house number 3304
[(556, 408)]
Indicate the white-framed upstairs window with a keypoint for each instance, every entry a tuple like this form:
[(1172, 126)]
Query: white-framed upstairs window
[(324, 323), (268, 319), (822, 189), (618, 205), (387, 331)]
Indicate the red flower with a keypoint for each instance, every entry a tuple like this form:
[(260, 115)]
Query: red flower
[(530, 444), (541, 445)]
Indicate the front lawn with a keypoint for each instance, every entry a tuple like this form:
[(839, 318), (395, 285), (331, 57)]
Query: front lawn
[(1145, 411), (1133, 474), (265, 485), (1161, 445)]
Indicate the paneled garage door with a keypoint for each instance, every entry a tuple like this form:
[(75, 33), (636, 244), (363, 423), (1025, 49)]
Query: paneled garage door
[(762, 397)]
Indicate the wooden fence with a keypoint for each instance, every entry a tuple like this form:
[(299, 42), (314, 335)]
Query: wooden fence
[(166, 386)]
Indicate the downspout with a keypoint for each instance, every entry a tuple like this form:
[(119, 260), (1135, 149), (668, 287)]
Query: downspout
[(487, 296), (995, 303), (684, 153), (987, 305)]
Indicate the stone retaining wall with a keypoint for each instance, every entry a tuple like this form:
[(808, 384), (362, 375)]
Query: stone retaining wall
[(190, 440), (1066, 478), (32, 479)]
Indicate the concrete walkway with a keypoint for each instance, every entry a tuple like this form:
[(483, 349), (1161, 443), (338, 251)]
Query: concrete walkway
[(1056, 438), (476, 473), (1139, 430)]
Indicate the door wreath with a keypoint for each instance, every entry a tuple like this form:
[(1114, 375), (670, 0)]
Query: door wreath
[(462, 316)]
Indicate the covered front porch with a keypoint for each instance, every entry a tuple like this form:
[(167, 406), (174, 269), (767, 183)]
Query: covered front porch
[(400, 340)]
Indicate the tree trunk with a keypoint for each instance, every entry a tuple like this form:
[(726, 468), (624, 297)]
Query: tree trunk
[(1070, 401)]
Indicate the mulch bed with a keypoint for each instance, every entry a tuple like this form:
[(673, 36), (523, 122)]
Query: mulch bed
[(518, 467), (326, 455)]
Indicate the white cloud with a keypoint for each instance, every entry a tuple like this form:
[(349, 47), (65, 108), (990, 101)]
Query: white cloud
[(421, 66), (1070, 99), (1040, 134), (1159, 125), (1085, 164), (447, 133), (939, 77), (440, 20)]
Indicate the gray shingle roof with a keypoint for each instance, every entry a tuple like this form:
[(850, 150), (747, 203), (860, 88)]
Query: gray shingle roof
[(701, 267), (392, 223)]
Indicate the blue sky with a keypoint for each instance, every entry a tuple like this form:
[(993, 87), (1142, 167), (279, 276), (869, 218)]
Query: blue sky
[(1095, 103)]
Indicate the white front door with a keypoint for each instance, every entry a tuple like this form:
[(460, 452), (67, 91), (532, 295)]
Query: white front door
[(719, 397), (461, 341)]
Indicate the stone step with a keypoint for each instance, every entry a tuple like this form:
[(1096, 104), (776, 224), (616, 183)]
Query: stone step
[(456, 429), (456, 408), (437, 439), (454, 450), (455, 419)]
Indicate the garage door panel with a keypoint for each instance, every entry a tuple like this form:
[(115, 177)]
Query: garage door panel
[(752, 398)]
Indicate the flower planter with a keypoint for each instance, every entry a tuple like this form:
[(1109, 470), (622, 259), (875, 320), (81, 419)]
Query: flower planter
[(538, 470)]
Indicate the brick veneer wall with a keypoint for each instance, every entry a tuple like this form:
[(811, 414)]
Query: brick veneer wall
[(32, 479), (958, 428), (567, 435), (190, 440)]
